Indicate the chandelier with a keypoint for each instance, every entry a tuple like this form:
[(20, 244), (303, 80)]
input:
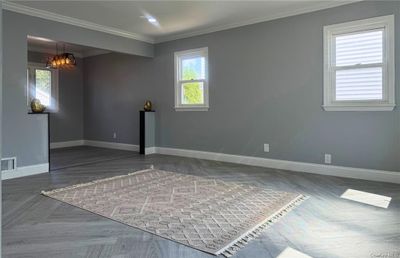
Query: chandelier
[(61, 61)]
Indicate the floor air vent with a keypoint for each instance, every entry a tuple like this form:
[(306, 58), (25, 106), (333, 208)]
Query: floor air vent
[(8, 164)]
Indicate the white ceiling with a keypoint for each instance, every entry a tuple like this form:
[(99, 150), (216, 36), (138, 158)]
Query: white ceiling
[(177, 19)]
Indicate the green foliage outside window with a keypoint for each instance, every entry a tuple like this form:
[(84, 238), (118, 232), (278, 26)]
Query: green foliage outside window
[(43, 80), (193, 91)]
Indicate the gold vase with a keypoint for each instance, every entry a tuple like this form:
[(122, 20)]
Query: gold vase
[(148, 106), (37, 107)]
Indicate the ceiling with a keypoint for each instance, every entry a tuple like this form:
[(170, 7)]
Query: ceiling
[(43, 45), (176, 19)]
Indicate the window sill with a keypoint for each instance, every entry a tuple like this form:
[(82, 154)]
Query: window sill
[(191, 108), (359, 108)]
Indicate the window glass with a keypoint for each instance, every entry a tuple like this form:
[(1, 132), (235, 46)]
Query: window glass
[(193, 68), (193, 93), (43, 86), (191, 80), (359, 65), (359, 48), (359, 84)]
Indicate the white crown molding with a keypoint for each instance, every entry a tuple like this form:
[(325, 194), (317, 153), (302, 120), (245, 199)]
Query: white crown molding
[(321, 6), (18, 8), (11, 6), (329, 170)]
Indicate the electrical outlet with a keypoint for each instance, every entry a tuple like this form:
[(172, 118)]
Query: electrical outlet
[(328, 158), (266, 147), (115, 135)]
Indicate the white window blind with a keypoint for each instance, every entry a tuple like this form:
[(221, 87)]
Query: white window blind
[(359, 48), (359, 65), (359, 62), (359, 84)]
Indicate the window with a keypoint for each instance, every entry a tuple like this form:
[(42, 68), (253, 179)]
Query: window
[(191, 80), (359, 65), (43, 85)]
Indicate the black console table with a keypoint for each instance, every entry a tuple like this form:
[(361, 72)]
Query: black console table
[(147, 132)]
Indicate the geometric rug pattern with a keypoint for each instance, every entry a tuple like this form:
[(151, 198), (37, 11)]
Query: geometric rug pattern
[(211, 215)]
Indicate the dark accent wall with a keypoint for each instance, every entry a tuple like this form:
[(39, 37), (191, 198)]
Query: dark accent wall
[(116, 87), (67, 123)]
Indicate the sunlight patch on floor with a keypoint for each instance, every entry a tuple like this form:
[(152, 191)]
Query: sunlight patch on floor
[(292, 253), (367, 198)]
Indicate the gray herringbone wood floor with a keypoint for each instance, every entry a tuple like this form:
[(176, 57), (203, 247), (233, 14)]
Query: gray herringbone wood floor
[(323, 226)]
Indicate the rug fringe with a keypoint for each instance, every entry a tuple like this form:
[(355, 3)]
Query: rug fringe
[(244, 240), (94, 182)]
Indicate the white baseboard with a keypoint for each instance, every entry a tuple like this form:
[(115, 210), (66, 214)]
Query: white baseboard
[(330, 170), (112, 145), (149, 150), (102, 144), (56, 145), (349, 172), (25, 171)]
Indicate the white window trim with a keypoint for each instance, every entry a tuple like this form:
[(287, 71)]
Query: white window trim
[(54, 86), (178, 104), (388, 104)]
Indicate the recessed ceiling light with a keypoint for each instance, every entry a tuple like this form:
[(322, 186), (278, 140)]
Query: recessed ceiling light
[(152, 19)]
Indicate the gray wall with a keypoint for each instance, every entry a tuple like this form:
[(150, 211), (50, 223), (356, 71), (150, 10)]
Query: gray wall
[(115, 89), (266, 83), (25, 136), (1, 106), (265, 87), (67, 123)]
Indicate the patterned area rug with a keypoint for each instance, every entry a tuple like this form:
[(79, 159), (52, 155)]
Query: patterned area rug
[(210, 215)]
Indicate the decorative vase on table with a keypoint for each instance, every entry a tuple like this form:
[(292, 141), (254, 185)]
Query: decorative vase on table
[(148, 106), (37, 107)]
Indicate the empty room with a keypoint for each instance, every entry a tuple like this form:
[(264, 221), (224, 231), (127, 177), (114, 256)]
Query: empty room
[(177, 129)]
